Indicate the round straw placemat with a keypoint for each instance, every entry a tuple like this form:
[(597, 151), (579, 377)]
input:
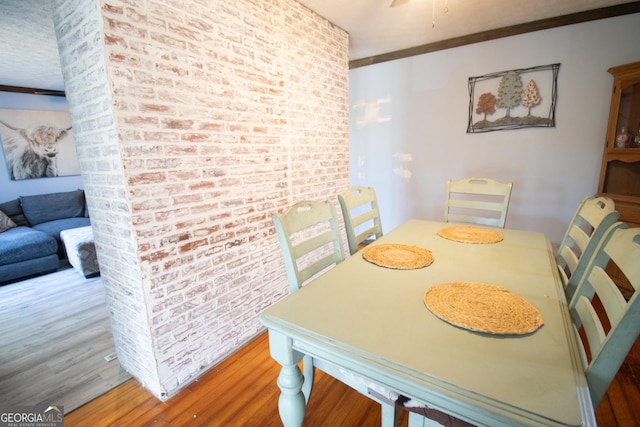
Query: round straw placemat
[(483, 308), (470, 234), (400, 257)]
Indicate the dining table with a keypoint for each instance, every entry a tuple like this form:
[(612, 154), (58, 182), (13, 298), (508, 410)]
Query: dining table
[(373, 321)]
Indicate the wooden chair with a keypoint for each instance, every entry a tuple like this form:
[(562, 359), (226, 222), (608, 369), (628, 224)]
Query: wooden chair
[(359, 207), (309, 237), (592, 218), (479, 201), (598, 302)]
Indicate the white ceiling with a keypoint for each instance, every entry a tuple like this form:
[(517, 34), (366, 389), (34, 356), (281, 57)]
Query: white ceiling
[(28, 48), (29, 58), (375, 28)]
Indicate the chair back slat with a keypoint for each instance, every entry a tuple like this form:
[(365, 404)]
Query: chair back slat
[(590, 221), (360, 219), (477, 204), (312, 244), (626, 259), (361, 215), (571, 261), (611, 322), (580, 237), (319, 266), (310, 241), (481, 201), (612, 299)]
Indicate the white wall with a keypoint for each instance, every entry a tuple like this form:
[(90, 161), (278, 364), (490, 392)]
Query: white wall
[(552, 168), (10, 190)]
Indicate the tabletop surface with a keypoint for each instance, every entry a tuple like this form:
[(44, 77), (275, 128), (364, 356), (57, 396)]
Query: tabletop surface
[(373, 320)]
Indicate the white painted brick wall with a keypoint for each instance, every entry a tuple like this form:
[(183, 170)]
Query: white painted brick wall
[(79, 31), (196, 121)]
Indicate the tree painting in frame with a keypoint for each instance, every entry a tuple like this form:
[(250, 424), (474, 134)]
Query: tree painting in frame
[(38, 144), (513, 99)]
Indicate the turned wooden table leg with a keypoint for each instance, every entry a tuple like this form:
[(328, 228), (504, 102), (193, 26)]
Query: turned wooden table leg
[(291, 403)]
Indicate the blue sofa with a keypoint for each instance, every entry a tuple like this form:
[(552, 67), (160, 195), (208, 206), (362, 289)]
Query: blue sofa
[(30, 229)]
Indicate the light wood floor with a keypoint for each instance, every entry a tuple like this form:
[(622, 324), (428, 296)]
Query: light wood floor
[(54, 335), (242, 391)]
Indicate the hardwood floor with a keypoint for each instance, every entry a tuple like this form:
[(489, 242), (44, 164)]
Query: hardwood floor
[(56, 326), (242, 391), (54, 335)]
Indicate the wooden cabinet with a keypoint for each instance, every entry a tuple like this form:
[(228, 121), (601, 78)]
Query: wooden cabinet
[(620, 173)]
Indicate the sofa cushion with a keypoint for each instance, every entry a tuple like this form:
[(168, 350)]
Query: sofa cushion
[(13, 209), (53, 228), (23, 243), (5, 222), (18, 270), (50, 207)]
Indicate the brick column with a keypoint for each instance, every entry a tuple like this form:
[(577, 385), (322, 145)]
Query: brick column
[(195, 122)]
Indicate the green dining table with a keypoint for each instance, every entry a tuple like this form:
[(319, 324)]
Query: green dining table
[(373, 321)]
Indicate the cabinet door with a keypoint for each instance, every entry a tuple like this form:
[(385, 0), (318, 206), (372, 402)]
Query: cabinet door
[(628, 120), (620, 173)]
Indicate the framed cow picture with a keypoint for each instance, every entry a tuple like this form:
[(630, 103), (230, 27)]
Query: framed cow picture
[(38, 144)]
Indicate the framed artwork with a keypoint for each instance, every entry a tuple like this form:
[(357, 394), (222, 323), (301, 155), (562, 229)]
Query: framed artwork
[(38, 144), (513, 99)]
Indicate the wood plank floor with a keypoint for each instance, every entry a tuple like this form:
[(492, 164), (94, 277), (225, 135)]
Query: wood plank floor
[(43, 322), (54, 335), (242, 391)]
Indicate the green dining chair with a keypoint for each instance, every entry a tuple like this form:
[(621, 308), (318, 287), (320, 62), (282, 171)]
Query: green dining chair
[(480, 201), (604, 348), (591, 219), (362, 222), (310, 241), (309, 237)]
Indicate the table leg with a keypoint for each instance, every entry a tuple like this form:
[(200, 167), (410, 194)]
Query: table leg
[(291, 403)]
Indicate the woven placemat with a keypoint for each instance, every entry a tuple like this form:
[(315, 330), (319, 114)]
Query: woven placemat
[(470, 234), (400, 257), (483, 308)]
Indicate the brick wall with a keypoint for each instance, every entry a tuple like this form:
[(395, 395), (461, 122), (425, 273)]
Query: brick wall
[(195, 122)]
